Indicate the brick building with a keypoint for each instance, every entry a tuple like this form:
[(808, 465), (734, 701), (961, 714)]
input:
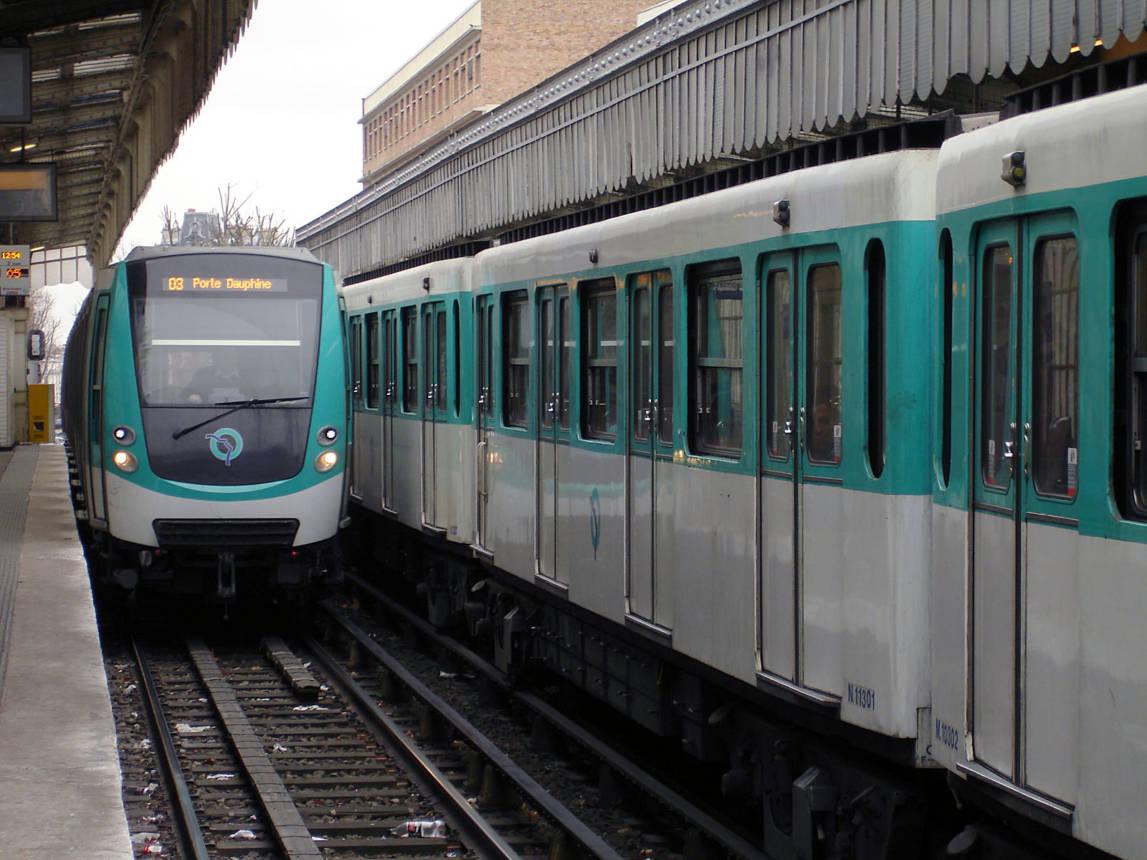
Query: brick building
[(495, 50)]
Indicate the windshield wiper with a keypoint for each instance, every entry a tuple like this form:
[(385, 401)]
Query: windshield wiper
[(236, 405)]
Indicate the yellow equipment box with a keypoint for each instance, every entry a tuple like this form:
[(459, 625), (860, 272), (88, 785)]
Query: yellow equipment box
[(41, 413)]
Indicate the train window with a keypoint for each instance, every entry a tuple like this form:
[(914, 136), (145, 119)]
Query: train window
[(409, 359), (372, 361), (997, 366), (947, 287), (565, 359), (1055, 367), (599, 359), (779, 346), (440, 381), (875, 271), (517, 341), (825, 333), (356, 359), (390, 362), (1131, 364), (716, 340), (666, 346), (457, 363), (641, 352)]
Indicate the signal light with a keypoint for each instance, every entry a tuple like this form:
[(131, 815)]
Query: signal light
[(123, 434), (328, 436), (326, 461), (1015, 171), (125, 461)]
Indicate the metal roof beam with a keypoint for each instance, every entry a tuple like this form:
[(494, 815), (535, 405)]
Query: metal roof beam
[(80, 46), (21, 17)]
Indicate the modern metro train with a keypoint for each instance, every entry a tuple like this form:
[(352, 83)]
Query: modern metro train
[(206, 406), (835, 476)]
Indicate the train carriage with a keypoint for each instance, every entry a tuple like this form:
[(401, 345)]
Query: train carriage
[(696, 447), (412, 375), (205, 405), (1039, 687)]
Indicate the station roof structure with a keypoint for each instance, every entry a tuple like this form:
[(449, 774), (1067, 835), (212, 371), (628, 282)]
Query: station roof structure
[(114, 83)]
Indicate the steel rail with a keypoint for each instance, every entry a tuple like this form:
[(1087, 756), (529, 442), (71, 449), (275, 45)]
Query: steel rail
[(481, 836), (554, 809), (645, 781), (186, 820)]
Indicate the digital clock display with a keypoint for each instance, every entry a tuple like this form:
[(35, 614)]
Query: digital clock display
[(13, 273), (223, 284), (9, 254)]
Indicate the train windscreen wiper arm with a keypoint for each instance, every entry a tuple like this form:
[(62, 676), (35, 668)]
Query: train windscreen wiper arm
[(236, 405)]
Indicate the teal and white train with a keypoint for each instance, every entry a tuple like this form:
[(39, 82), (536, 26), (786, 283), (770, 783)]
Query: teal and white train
[(205, 402), (836, 477)]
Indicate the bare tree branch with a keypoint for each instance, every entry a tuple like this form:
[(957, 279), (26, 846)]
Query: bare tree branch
[(236, 224)]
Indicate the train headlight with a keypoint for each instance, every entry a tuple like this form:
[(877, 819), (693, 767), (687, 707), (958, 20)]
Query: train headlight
[(326, 461), (125, 461), (123, 434), (328, 436)]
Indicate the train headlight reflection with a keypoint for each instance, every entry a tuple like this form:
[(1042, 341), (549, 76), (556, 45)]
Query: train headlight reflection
[(326, 461), (125, 461)]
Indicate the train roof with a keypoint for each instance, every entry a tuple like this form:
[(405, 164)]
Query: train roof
[(150, 252), (445, 276), (1084, 143), (897, 186)]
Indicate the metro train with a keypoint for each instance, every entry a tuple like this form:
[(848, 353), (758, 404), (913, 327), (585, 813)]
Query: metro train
[(205, 402), (835, 477)]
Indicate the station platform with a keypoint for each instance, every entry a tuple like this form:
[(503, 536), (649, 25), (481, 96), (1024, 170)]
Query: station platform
[(60, 793)]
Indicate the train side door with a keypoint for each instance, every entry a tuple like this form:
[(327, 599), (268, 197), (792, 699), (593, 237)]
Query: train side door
[(97, 504), (389, 405), (358, 461), (554, 357), (484, 334), (1025, 523), (433, 405), (651, 348), (779, 500), (802, 437)]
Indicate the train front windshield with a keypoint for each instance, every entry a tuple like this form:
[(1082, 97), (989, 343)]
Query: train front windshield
[(219, 328)]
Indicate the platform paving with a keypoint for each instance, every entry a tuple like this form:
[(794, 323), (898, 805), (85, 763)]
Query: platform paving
[(60, 787)]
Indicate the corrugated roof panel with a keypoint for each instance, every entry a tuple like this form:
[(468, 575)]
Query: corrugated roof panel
[(724, 81), (1063, 30)]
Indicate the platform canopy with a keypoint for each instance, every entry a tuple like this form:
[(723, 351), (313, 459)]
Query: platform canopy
[(114, 83)]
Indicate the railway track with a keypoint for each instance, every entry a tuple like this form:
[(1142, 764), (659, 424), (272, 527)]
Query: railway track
[(623, 780), (296, 752)]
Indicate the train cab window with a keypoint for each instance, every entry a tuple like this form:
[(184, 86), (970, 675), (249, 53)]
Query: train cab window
[(599, 359), (997, 370), (716, 350), (372, 361), (875, 272), (356, 359), (826, 356), (517, 341), (1055, 367), (409, 359), (1131, 364)]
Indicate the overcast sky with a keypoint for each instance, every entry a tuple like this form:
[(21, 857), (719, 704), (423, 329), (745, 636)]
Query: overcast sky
[(281, 121)]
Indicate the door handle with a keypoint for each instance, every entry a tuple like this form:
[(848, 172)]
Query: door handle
[(800, 427), (1027, 447)]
